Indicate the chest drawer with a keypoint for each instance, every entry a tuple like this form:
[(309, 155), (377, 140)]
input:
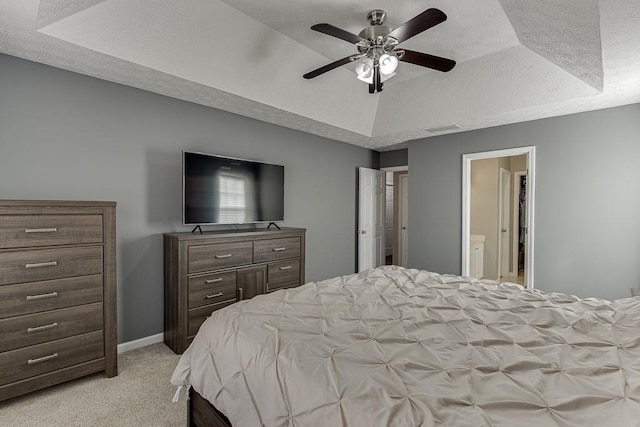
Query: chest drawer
[(212, 288), (283, 274), (274, 249), (213, 257), (33, 329), (27, 298), (19, 231), (47, 264), (199, 315), (28, 362)]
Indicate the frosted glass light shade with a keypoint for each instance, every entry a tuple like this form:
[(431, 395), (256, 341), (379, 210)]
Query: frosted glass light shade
[(364, 69), (388, 64)]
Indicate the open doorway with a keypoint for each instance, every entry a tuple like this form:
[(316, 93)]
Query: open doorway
[(397, 218), (497, 217)]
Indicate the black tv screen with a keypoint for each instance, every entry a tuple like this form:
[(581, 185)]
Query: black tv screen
[(223, 190)]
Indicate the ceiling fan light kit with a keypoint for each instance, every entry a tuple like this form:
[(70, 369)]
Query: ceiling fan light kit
[(378, 55), (365, 68)]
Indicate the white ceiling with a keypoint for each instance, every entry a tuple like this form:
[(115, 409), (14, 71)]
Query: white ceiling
[(516, 60)]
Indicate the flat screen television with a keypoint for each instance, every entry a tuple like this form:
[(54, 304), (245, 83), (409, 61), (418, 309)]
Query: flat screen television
[(224, 190)]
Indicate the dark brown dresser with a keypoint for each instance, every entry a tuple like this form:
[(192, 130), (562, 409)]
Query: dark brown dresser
[(205, 272), (57, 293)]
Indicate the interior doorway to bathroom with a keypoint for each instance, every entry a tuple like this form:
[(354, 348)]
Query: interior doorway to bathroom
[(498, 215)]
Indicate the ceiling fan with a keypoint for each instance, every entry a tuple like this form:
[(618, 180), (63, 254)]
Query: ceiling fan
[(378, 52)]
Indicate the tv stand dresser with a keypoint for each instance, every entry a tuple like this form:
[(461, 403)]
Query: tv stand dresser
[(209, 271), (57, 293)]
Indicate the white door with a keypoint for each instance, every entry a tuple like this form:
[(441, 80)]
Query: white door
[(403, 244), (505, 223), (371, 207)]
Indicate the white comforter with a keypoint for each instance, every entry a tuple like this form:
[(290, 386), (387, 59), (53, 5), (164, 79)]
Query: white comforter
[(399, 347)]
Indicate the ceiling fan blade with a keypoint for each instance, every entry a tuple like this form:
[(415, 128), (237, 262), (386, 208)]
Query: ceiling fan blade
[(337, 32), (427, 19), (429, 61), (328, 67)]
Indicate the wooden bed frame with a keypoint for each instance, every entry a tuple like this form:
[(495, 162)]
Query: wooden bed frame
[(201, 413)]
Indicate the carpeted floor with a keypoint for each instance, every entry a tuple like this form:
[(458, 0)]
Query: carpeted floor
[(139, 396)]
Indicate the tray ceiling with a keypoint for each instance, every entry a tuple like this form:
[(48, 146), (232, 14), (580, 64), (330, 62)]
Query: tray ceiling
[(517, 60)]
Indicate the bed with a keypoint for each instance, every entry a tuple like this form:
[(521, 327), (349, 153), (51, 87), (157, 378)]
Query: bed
[(401, 347)]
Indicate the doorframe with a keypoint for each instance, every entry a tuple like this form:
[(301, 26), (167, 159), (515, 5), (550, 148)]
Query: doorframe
[(515, 226), (530, 151)]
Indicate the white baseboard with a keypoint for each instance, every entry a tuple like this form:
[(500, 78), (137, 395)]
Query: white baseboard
[(139, 343)]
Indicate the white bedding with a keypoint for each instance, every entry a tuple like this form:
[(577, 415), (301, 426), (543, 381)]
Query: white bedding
[(398, 347)]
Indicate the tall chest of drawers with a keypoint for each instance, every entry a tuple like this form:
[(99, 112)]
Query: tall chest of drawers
[(206, 272), (57, 293)]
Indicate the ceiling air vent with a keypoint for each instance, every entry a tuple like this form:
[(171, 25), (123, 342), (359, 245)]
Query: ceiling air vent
[(443, 129)]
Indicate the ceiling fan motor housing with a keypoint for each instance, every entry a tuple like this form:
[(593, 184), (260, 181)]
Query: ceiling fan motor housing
[(375, 41), (376, 31)]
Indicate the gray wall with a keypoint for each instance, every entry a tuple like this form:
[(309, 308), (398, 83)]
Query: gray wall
[(587, 232), (394, 158), (71, 137)]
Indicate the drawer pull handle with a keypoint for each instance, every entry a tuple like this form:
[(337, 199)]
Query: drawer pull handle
[(223, 256), (218, 279), (41, 264), (41, 230), (279, 249), (219, 294), (240, 294), (42, 359), (288, 267), (41, 296), (42, 328)]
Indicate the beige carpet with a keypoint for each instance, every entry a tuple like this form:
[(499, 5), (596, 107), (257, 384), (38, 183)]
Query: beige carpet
[(139, 396)]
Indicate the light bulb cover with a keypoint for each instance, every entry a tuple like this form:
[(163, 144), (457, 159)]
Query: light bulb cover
[(364, 69), (388, 64)]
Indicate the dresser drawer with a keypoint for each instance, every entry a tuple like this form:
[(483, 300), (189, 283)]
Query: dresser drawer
[(34, 329), (283, 274), (213, 257), (274, 249), (212, 288), (19, 231), (199, 315), (27, 298), (39, 359), (46, 264)]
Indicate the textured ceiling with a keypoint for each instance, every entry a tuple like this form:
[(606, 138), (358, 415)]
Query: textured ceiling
[(517, 60)]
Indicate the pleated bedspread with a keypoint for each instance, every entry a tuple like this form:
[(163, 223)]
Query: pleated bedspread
[(399, 347)]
